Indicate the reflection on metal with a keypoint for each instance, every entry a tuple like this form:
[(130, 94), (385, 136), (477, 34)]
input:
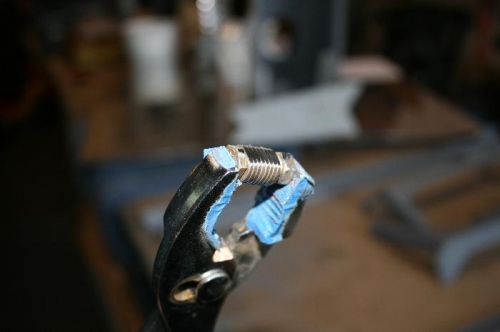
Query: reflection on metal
[(206, 287)]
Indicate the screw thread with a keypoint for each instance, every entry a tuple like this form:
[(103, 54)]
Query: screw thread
[(264, 166)]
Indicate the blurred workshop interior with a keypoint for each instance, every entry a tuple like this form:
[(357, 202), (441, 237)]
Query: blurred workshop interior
[(393, 106)]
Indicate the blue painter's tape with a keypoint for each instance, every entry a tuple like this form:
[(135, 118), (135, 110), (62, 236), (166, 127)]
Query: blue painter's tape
[(223, 158), (214, 212), (272, 210)]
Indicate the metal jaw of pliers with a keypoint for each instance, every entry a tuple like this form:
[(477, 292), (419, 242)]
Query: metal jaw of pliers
[(195, 268)]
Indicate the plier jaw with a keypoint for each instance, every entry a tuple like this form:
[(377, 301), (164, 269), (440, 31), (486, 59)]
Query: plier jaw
[(195, 268)]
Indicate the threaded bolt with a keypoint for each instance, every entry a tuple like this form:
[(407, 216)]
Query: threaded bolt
[(259, 165)]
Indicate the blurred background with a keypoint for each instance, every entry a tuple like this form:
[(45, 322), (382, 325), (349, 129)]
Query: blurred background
[(393, 106)]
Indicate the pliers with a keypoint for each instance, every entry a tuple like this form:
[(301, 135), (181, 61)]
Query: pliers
[(196, 268)]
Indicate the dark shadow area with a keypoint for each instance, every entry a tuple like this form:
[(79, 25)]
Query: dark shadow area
[(46, 284)]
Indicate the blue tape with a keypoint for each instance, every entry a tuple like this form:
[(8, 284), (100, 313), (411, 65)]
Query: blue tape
[(214, 212), (268, 218), (223, 158)]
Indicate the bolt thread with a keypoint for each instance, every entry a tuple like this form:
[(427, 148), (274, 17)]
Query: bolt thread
[(264, 166)]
